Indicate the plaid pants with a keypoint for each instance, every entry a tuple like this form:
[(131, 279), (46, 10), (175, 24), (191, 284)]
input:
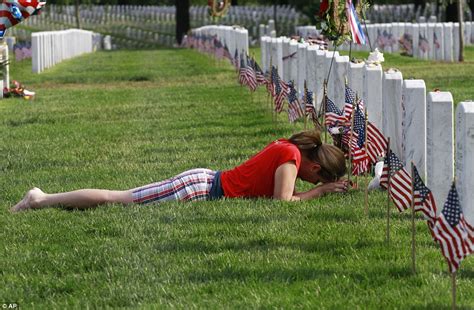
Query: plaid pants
[(190, 185)]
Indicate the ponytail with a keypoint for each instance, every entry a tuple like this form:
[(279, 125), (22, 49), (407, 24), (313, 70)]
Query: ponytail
[(330, 158)]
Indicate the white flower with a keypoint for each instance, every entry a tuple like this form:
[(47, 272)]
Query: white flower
[(324, 26), (375, 57)]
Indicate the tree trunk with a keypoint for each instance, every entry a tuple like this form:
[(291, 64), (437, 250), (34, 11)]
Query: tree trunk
[(182, 19), (452, 12), (234, 2), (461, 30), (77, 7)]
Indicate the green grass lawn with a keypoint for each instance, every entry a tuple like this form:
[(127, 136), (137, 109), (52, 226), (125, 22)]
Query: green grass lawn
[(122, 119)]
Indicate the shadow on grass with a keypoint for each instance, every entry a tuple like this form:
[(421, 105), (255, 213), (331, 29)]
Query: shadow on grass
[(267, 275)]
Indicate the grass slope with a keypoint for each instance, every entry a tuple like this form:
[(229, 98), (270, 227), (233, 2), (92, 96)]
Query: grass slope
[(122, 119)]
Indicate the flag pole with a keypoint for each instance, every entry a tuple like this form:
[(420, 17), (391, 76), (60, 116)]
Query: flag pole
[(271, 81), (413, 227), (324, 110), (453, 281), (305, 96), (366, 171), (349, 173), (388, 191)]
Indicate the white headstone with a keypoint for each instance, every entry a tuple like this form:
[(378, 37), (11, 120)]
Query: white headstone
[(312, 69), (286, 55), (456, 40), (338, 80), (439, 145), (465, 158), (414, 124), (293, 62), (357, 77), (448, 41), (372, 94), (438, 42), (301, 60), (392, 109)]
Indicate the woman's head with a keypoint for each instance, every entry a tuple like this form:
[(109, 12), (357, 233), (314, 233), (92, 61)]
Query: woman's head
[(329, 159)]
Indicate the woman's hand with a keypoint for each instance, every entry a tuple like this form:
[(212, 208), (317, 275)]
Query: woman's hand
[(340, 186)]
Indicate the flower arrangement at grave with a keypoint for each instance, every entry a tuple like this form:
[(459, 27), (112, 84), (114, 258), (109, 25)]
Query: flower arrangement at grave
[(218, 8), (333, 20)]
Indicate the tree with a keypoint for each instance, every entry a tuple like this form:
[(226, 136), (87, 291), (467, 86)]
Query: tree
[(182, 19)]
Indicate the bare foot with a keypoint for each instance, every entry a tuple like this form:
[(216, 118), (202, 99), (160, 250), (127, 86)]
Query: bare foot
[(30, 200)]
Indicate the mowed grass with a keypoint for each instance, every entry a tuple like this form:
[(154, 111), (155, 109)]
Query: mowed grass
[(122, 119)]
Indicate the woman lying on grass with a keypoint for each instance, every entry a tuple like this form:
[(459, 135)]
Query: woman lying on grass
[(271, 173)]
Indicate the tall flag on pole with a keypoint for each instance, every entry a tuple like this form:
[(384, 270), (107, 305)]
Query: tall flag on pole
[(358, 35), (295, 111), (424, 200), (453, 233), (400, 181)]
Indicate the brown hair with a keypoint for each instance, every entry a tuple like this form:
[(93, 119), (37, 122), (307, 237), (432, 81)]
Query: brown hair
[(330, 158)]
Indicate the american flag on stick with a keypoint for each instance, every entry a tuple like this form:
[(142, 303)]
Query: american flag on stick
[(453, 233), (259, 75), (376, 143), (350, 101), (250, 74), (279, 90), (295, 111), (424, 200), (400, 181), (360, 160), (309, 107), (334, 116)]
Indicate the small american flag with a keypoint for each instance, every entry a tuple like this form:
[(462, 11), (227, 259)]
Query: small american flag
[(279, 90), (424, 200), (261, 80), (423, 44), (251, 75), (436, 43), (453, 233), (376, 143), (309, 107), (360, 160), (334, 116), (350, 99), (295, 111), (400, 181)]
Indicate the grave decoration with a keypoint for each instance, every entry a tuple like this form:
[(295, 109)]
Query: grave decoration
[(218, 8), (18, 90), (16, 11), (338, 20)]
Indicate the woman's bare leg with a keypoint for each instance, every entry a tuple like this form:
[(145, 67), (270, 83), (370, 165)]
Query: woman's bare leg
[(83, 198)]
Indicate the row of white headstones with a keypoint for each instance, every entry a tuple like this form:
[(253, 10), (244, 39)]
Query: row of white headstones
[(236, 38), (419, 124), (442, 39), (51, 47)]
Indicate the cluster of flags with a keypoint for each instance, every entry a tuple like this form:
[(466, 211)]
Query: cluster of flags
[(364, 145), (450, 229)]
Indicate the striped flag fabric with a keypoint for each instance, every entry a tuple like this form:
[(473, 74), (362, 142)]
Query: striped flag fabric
[(251, 75), (400, 181), (334, 116), (14, 12), (309, 107), (295, 111), (242, 71), (349, 102), (423, 198), (259, 75), (279, 90), (360, 160), (452, 232), (358, 35), (376, 143)]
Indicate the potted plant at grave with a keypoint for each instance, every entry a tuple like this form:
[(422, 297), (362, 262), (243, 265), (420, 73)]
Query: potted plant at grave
[(333, 22)]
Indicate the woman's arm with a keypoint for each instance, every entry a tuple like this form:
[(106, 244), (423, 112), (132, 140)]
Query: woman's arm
[(284, 189)]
